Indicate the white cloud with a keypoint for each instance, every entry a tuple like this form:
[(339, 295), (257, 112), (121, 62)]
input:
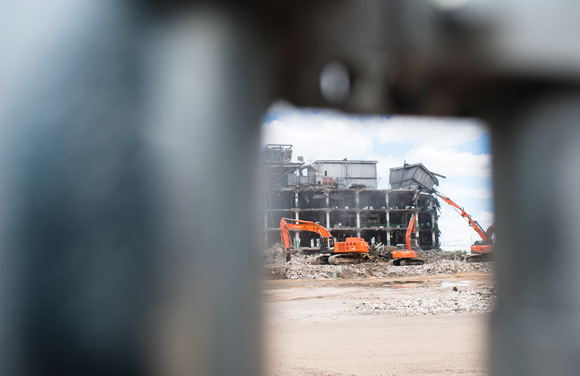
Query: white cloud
[(444, 132), (450, 162), (456, 234), (384, 164), (349, 136), (319, 136), (485, 219), (460, 194)]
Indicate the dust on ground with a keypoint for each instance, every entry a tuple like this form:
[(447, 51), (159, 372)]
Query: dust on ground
[(376, 318)]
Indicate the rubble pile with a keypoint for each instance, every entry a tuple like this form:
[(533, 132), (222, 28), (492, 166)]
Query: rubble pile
[(442, 255), (445, 300), (302, 266)]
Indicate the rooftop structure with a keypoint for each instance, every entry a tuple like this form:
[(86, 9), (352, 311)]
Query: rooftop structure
[(281, 172), (413, 176)]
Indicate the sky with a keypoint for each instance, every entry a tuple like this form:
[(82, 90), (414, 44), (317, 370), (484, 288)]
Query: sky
[(456, 148)]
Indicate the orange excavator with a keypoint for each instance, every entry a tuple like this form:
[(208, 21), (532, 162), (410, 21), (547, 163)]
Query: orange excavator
[(352, 250), (482, 249), (404, 254)]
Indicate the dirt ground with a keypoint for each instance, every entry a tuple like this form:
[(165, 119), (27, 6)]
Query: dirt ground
[(416, 325)]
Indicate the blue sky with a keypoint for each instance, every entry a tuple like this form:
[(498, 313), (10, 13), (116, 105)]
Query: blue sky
[(456, 148)]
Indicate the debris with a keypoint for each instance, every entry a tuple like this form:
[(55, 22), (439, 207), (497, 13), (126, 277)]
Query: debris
[(301, 267), (475, 299)]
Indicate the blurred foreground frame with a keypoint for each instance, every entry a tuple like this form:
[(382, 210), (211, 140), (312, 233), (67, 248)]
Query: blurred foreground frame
[(129, 127)]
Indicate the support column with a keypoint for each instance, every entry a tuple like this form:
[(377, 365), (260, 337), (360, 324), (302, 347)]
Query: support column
[(358, 222), (327, 199), (167, 91), (357, 199), (266, 230), (297, 233), (417, 227), (388, 237), (433, 235), (296, 201), (328, 219)]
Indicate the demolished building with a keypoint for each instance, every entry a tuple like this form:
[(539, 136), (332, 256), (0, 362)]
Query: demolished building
[(342, 195)]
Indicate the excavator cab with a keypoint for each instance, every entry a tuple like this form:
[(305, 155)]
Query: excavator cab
[(327, 244)]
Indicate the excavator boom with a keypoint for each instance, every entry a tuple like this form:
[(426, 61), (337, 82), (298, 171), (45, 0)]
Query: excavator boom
[(480, 248), (287, 224), (304, 226), (285, 234), (296, 224), (473, 223), (410, 230)]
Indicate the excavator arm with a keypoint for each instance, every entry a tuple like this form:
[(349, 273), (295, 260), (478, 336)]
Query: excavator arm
[(287, 224), (284, 234), (410, 230), (480, 249), (407, 256), (476, 226)]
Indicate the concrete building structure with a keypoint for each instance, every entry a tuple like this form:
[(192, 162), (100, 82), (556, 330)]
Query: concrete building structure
[(342, 196)]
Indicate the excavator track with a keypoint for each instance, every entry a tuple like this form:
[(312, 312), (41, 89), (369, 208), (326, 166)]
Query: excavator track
[(479, 257), (337, 259), (346, 258), (408, 262), (321, 260)]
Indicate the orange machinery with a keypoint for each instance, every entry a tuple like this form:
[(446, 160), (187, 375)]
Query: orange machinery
[(404, 254), (351, 250), (481, 248)]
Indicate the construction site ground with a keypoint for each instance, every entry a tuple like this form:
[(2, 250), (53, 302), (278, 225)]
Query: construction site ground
[(356, 320)]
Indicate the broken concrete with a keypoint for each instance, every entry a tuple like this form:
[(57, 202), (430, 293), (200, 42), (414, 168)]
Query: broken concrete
[(443, 300), (301, 266)]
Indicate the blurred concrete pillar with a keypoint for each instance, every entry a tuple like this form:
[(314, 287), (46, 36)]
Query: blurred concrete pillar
[(207, 99), (77, 235), (535, 327), (127, 167)]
